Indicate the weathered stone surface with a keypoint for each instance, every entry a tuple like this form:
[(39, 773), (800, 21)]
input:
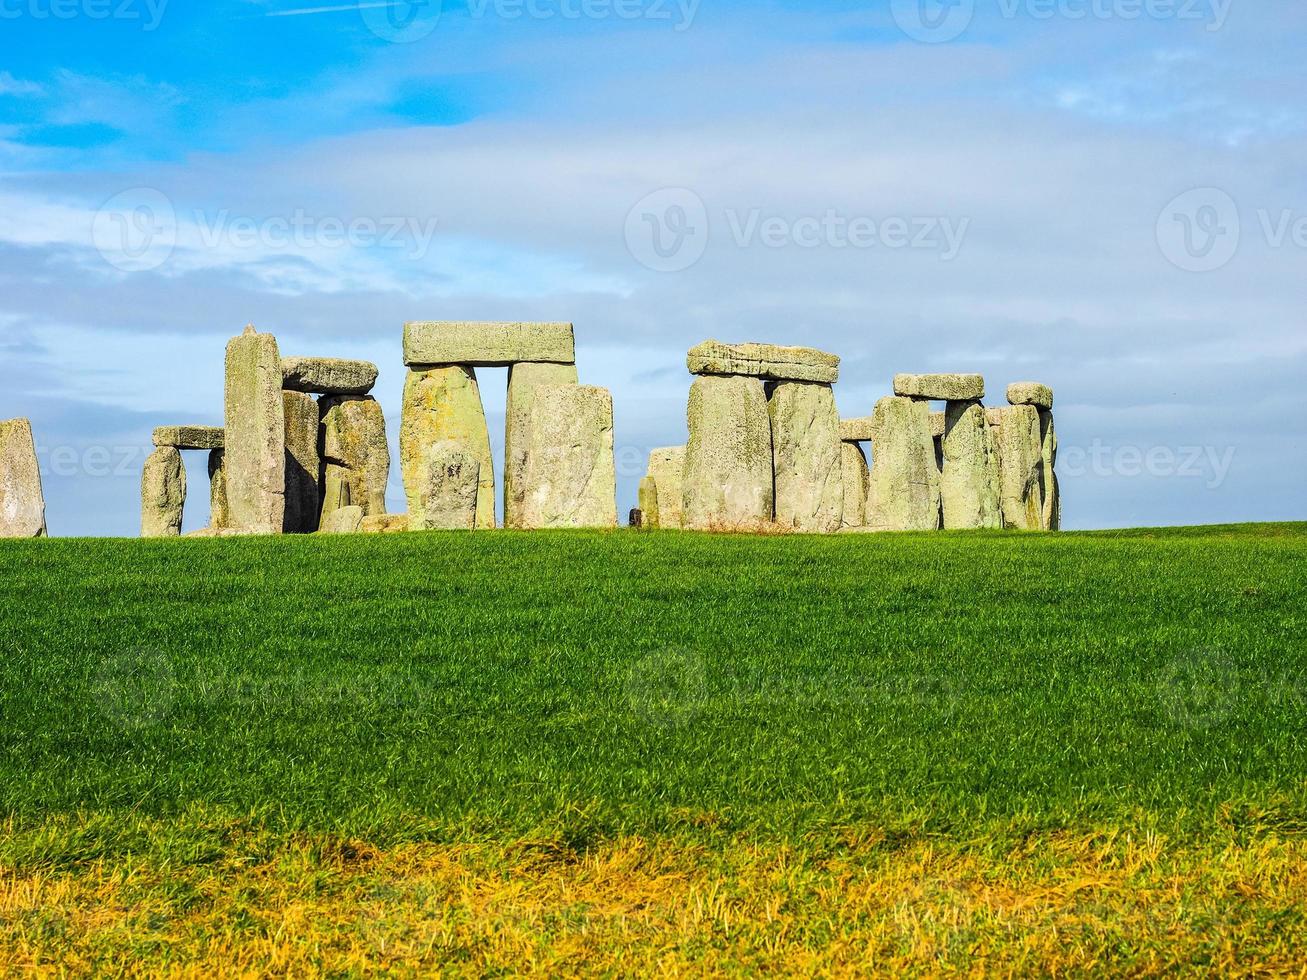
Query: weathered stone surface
[(218, 513), (475, 344), (994, 416), (384, 524), (856, 430), (569, 479), (22, 502), (647, 497), (1020, 466), (327, 375), (189, 436), (770, 361), (302, 463), (444, 403), (903, 494), (938, 424), (453, 485), (969, 483), (255, 434), (945, 387), (1051, 509), (355, 455), (667, 469), (728, 460), (217, 532), (854, 476), (163, 493), (1030, 393), (523, 380), (805, 435), (346, 520)]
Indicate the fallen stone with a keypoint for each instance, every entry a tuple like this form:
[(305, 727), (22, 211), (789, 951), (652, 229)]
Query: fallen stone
[(805, 436), (569, 479), (327, 375), (727, 483), (1030, 393), (189, 436), (942, 387), (453, 484), (218, 532), (440, 342), (903, 493), (647, 497), (255, 434), (354, 453), (346, 520), (523, 380), (667, 469), (384, 524), (856, 430), (218, 512), (444, 403), (302, 463), (969, 481), (22, 502), (853, 478), (1020, 467), (770, 361), (163, 493)]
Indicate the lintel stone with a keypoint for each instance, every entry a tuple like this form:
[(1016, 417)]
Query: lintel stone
[(189, 436), (1030, 393), (327, 375), (856, 430), (769, 361), (485, 344), (941, 387)]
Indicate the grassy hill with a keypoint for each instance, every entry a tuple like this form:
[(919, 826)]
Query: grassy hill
[(656, 751)]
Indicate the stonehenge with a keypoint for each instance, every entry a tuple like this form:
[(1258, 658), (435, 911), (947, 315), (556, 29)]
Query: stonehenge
[(569, 475), (163, 494), (660, 499), (22, 501), (806, 456), (727, 482)]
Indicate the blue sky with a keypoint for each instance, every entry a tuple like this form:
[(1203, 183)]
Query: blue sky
[(1105, 195)]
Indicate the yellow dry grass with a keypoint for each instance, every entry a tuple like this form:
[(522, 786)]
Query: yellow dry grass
[(1057, 904)]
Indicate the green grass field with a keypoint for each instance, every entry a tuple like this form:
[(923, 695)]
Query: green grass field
[(656, 753)]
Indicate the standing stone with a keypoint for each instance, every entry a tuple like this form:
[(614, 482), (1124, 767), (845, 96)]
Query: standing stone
[(569, 478), (163, 494), (218, 513), (302, 463), (255, 434), (444, 403), (904, 487), (969, 483), (667, 470), (1051, 510), (854, 476), (648, 501), (523, 380), (805, 435), (1020, 466), (22, 502), (453, 484), (728, 460), (354, 452)]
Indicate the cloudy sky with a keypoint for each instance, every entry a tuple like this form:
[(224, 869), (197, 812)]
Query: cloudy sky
[(1105, 195)]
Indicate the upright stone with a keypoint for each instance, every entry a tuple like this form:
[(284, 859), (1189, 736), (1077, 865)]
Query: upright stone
[(805, 435), (569, 478), (1020, 467), (969, 483), (523, 380), (853, 479), (453, 483), (728, 459), (255, 434), (163, 494), (647, 498), (219, 517), (904, 488), (22, 502), (355, 455), (444, 403), (302, 463), (1051, 509), (667, 470)]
